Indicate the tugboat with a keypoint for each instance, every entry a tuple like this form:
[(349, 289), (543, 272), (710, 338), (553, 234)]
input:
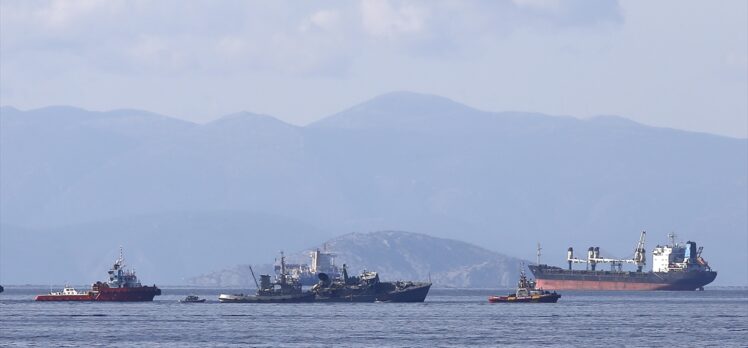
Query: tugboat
[(192, 299), (283, 290), (368, 288), (123, 286), (526, 292)]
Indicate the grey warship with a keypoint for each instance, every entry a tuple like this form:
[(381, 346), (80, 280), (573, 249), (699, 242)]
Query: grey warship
[(367, 287), (283, 290), (360, 288)]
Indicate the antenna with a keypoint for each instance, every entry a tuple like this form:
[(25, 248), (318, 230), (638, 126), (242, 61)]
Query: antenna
[(539, 248)]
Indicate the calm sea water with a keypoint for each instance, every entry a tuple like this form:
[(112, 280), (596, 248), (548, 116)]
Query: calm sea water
[(712, 318)]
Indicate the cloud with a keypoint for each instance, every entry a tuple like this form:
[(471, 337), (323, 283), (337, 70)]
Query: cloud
[(60, 13), (544, 5), (326, 20), (570, 13), (165, 37), (381, 20)]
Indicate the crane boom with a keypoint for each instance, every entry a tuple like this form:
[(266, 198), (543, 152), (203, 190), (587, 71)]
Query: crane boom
[(593, 256)]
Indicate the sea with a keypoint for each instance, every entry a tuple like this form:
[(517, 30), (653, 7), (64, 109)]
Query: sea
[(448, 318)]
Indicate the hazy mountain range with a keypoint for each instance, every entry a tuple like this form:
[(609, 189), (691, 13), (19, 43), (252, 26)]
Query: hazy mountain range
[(188, 199), (395, 255)]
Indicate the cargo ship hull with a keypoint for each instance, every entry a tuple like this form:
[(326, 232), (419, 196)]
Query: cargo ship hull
[(556, 278), (142, 294)]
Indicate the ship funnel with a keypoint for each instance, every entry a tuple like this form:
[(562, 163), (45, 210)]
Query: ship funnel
[(265, 282), (345, 274), (690, 252)]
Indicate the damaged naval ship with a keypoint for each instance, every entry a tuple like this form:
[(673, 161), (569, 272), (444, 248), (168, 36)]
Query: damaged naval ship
[(284, 289), (675, 266), (367, 287)]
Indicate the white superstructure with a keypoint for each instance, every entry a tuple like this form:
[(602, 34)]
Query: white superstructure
[(677, 257), (322, 262), (67, 290)]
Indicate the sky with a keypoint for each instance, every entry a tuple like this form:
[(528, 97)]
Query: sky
[(678, 64)]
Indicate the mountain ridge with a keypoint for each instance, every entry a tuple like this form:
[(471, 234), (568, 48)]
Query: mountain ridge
[(506, 182), (396, 255)]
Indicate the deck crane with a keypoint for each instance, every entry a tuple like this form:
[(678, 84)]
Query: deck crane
[(593, 257)]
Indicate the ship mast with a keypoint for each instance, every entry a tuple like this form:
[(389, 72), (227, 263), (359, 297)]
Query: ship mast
[(121, 259), (538, 255), (672, 237), (283, 268)]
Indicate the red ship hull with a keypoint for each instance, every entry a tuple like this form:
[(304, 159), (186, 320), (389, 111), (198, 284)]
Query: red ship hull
[(599, 285), (139, 294), (555, 278)]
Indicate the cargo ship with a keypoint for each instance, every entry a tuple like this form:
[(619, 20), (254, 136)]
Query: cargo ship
[(123, 286), (675, 266)]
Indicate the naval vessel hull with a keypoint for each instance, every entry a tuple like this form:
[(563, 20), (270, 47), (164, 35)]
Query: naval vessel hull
[(403, 291), (287, 298), (556, 278)]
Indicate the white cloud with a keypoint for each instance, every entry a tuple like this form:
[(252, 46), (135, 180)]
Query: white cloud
[(150, 50), (494, 54), (382, 20), (60, 13), (324, 19), (545, 5)]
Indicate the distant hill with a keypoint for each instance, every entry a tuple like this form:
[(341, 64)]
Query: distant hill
[(165, 248), (397, 256), (401, 161)]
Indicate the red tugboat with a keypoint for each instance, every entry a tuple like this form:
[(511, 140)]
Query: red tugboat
[(123, 286), (526, 292)]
